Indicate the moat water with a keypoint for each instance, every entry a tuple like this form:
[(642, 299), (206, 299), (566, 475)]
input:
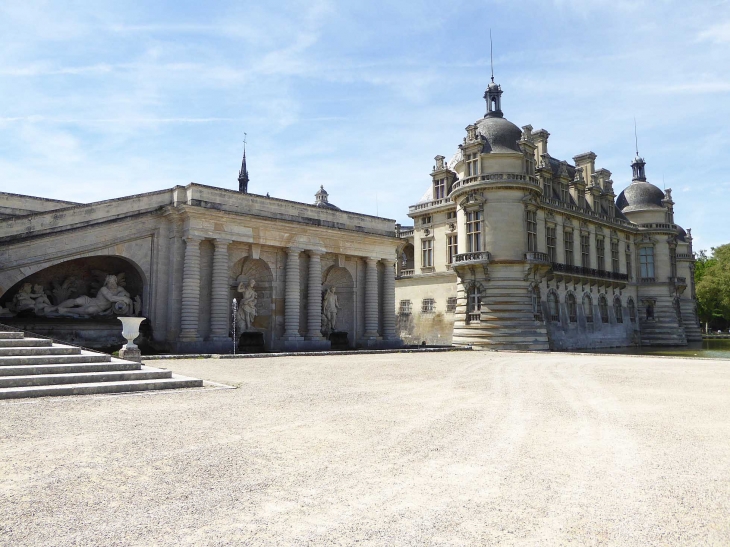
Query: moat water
[(712, 348)]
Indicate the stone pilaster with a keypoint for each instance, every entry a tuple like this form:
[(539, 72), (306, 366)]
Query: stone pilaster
[(314, 291), (371, 299), (388, 300), (292, 296), (190, 290), (220, 293)]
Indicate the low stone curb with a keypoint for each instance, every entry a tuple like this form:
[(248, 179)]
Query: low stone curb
[(297, 353)]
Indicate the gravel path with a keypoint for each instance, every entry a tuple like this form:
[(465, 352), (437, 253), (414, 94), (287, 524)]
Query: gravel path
[(466, 448)]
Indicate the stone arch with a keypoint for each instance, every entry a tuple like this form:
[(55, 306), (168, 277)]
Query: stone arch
[(618, 309), (242, 271), (341, 279), (535, 300), (587, 302), (631, 305), (603, 308), (553, 301), (407, 257), (571, 304)]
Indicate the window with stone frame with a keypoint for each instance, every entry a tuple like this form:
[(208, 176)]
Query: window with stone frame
[(568, 244), (564, 193), (618, 309), (473, 231), (473, 304), (451, 304), (531, 231), (572, 306), (585, 249), (614, 256), (451, 249), (603, 308), (439, 188), (404, 307), (632, 310), (426, 219), (536, 304), (427, 253), (450, 215), (628, 262), (472, 165), (588, 307), (554, 306), (646, 263), (600, 253), (428, 305), (548, 187), (550, 239)]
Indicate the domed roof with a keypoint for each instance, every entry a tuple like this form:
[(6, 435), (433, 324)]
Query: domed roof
[(322, 200), (640, 195), (501, 134), (681, 234)]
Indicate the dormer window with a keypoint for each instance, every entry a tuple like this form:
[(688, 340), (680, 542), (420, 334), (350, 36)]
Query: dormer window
[(472, 165), (439, 189), (564, 195)]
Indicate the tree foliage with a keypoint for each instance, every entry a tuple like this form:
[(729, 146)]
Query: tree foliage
[(712, 281)]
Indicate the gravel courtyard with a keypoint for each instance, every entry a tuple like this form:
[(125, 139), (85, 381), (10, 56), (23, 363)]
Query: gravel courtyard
[(458, 448)]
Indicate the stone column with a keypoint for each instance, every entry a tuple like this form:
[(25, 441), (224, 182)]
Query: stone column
[(314, 295), (220, 294), (371, 298), (190, 290), (388, 300), (292, 296)]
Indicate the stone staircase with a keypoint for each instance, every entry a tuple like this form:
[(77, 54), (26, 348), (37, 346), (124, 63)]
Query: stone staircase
[(664, 330), (37, 367)]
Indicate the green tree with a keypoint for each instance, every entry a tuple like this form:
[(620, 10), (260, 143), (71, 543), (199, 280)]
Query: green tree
[(712, 281)]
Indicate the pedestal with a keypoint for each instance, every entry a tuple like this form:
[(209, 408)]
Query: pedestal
[(131, 354), (339, 340), (251, 342)]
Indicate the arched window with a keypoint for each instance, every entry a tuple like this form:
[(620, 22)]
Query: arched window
[(473, 304), (603, 308), (618, 310), (572, 307), (588, 307), (536, 307), (554, 306), (632, 310)]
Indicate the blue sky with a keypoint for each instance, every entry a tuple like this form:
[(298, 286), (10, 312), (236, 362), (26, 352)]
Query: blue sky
[(105, 99)]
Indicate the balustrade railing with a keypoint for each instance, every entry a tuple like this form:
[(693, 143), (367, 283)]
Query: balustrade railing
[(588, 272), (407, 273), (429, 204), (685, 256), (464, 258), (648, 280), (678, 280), (495, 177), (535, 256)]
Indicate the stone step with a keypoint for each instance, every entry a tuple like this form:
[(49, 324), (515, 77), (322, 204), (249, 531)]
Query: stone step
[(89, 388), (85, 357), (56, 349), (24, 342), (27, 370), (10, 335), (84, 377)]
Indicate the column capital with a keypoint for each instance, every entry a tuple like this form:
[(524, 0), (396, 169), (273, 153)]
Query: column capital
[(222, 241), (315, 252), (293, 250), (389, 262), (193, 238), (372, 260)]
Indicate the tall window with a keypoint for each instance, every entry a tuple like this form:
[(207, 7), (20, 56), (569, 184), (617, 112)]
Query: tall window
[(568, 241), (536, 307), (473, 304), (427, 253), (450, 249), (550, 237), (603, 308), (554, 306), (628, 262), (473, 231), (439, 189), (614, 256), (472, 165), (564, 195), (404, 307), (646, 262), (532, 231), (548, 189), (451, 304), (588, 307), (585, 250), (632, 310), (600, 253), (618, 310), (572, 307), (428, 305)]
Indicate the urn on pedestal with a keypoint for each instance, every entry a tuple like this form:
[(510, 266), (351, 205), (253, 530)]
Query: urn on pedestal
[(130, 331)]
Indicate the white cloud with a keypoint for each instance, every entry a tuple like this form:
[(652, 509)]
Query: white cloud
[(718, 33)]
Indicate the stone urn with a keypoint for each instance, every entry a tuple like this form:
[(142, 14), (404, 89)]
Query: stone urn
[(130, 331)]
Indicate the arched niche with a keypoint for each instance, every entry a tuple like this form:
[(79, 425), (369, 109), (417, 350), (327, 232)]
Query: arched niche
[(341, 279), (242, 272)]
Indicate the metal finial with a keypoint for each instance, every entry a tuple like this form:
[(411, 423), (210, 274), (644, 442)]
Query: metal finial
[(636, 138), (491, 58)]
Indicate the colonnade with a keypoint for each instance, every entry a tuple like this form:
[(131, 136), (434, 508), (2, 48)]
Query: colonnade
[(220, 305)]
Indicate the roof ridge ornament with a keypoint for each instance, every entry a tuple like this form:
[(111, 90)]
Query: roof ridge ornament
[(493, 94)]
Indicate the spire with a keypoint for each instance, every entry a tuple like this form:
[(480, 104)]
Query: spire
[(493, 94), (243, 173), (638, 164)]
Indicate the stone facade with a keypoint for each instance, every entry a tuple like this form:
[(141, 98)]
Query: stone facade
[(514, 249), (185, 254)]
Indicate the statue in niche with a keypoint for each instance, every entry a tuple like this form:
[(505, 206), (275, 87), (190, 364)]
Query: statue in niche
[(330, 307), (24, 299), (42, 304), (247, 306), (111, 298)]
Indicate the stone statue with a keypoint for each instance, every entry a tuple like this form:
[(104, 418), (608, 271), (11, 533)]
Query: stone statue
[(110, 298), (330, 307), (24, 300), (42, 304), (247, 306)]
